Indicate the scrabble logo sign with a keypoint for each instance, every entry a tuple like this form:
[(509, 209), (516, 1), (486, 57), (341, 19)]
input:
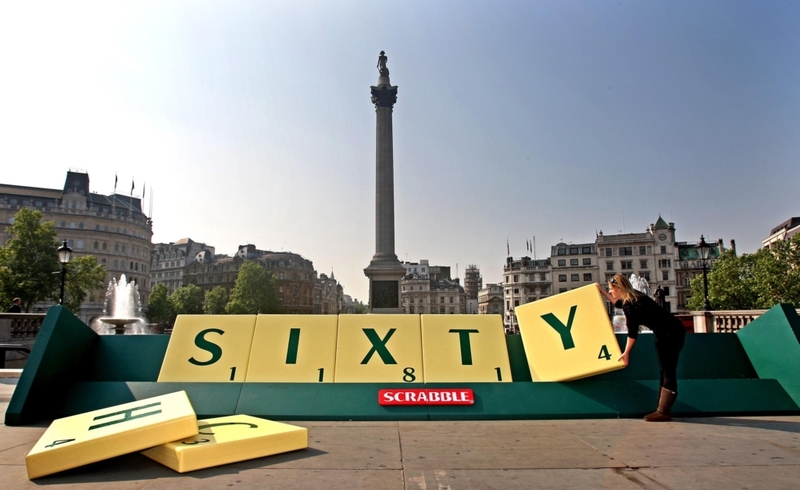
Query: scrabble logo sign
[(430, 396)]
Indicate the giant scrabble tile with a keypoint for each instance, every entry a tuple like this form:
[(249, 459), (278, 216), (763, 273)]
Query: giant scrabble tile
[(379, 348), (209, 348), (293, 348), (568, 336), (102, 434), (464, 348), (225, 440)]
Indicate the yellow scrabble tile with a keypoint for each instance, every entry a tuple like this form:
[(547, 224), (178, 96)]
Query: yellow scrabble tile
[(463, 348), (568, 336), (225, 440), (102, 434), (209, 348), (379, 348), (293, 348)]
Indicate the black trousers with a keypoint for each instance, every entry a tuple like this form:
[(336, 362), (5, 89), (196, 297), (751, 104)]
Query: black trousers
[(668, 349)]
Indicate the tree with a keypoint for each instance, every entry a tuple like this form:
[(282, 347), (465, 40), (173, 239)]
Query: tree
[(159, 308), (254, 291), (187, 300), (215, 301), (752, 281), (84, 275), (29, 261)]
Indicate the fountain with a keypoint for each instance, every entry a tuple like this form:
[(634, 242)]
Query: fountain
[(123, 309)]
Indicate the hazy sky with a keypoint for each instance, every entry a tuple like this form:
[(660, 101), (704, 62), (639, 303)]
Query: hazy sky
[(251, 121)]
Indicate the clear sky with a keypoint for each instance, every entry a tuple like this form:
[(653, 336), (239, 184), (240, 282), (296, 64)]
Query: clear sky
[(251, 122)]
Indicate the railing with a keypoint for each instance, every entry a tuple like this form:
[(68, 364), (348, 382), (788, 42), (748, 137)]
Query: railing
[(723, 321), (20, 326)]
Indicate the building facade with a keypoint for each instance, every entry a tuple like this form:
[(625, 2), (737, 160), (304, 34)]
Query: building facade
[(574, 265), (650, 255), (490, 300), (432, 291), (783, 231), (688, 266), (524, 280), (112, 228), (168, 261)]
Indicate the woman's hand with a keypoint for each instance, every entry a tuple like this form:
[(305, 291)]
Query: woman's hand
[(605, 293), (625, 358)]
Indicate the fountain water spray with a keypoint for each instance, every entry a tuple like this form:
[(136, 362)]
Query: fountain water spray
[(123, 309)]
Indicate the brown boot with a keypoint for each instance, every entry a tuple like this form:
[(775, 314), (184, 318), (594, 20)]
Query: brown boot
[(662, 413)]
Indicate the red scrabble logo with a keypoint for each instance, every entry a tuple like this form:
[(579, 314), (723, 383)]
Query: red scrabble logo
[(429, 396)]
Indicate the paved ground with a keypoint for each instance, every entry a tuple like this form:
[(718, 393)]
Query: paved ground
[(712, 453)]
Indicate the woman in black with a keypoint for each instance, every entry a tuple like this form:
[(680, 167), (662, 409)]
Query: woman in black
[(669, 332)]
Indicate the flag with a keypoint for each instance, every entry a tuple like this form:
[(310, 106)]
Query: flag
[(508, 249), (132, 186), (144, 189), (115, 182)]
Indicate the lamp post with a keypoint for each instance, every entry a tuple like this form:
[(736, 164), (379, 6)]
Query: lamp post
[(64, 255), (704, 249)]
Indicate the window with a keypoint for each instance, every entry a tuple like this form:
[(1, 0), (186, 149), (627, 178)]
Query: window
[(123, 249), (610, 265), (665, 275), (96, 245), (562, 251), (663, 249), (441, 300), (626, 250), (645, 275), (516, 302), (587, 261), (575, 277), (573, 250), (516, 277), (573, 262), (508, 279), (80, 244), (451, 298), (562, 278), (666, 291), (562, 290), (642, 264), (562, 262), (587, 277), (626, 264), (664, 262), (586, 250), (63, 223), (116, 263), (608, 252), (516, 291), (105, 246)]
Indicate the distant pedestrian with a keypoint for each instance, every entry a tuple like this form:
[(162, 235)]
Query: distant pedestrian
[(15, 306), (669, 334), (659, 296)]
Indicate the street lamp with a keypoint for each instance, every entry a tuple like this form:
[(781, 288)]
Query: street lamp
[(704, 249), (64, 254)]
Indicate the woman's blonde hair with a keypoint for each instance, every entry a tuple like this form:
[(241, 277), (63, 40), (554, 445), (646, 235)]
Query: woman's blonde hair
[(624, 285)]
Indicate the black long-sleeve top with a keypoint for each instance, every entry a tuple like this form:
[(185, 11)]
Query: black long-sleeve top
[(645, 311)]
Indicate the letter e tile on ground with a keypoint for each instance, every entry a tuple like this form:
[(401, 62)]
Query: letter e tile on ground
[(102, 434), (225, 440), (568, 336)]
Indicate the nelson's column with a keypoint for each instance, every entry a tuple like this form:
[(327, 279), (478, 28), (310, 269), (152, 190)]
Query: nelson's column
[(384, 270)]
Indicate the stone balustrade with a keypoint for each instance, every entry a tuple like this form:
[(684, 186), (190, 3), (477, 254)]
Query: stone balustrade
[(723, 321)]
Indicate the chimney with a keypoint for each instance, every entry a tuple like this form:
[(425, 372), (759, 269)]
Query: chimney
[(733, 246)]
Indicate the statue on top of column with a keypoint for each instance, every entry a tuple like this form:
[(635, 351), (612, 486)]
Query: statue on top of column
[(384, 72)]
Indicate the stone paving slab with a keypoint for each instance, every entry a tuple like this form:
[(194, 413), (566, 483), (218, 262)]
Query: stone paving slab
[(704, 453)]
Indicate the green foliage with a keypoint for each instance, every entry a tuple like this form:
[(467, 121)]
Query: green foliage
[(215, 301), (752, 281), (159, 307), (29, 261), (255, 291), (84, 275), (361, 309), (187, 300)]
